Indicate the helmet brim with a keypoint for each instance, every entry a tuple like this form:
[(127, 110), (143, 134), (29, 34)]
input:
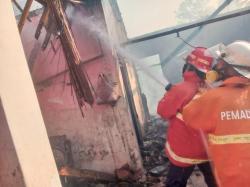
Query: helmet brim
[(241, 71)]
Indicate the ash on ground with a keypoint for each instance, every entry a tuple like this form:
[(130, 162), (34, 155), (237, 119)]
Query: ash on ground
[(153, 152)]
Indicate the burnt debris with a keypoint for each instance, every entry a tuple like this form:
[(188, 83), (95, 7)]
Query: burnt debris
[(154, 158)]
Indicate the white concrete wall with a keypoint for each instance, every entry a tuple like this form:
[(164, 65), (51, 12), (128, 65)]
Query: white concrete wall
[(22, 111)]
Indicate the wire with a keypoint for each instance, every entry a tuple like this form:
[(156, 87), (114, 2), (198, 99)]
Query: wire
[(178, 36)]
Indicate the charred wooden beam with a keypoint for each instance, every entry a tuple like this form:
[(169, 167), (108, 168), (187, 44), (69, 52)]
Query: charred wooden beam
[(25, 14), (46, 40), (43, 21), (87, 175), (79, 77), (187, 27), (129, 94)]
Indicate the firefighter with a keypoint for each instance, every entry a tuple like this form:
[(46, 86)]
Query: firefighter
[(223, 114), (184, 146)]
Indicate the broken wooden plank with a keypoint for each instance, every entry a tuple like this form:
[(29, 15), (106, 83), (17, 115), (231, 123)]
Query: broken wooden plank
[(87, 175), (24, 15), (79, 77), (46, 40), (43, 21)]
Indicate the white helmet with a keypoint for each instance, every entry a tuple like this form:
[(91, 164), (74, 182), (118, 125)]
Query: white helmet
[(237, 54)]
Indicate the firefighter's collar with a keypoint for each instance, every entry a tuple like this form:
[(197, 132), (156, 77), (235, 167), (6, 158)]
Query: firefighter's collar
[(236, 80)]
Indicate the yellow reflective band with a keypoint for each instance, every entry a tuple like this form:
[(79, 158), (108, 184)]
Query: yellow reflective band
[(182, 159), (229, 139)]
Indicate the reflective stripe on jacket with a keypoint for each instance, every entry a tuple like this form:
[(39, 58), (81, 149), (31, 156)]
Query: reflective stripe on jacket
[(182, 159), (185, 143), (224, 114)]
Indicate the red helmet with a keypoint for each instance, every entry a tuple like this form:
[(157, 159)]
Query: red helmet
[(200, 59)]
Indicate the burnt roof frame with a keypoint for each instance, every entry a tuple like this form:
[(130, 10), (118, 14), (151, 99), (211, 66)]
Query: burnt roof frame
[(204, 22)]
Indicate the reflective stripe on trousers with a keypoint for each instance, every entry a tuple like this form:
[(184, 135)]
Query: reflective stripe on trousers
[(229, 139), (183, 159)]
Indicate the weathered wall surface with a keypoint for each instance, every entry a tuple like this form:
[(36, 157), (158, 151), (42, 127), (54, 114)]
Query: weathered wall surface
[(104, 139), (117, 33)]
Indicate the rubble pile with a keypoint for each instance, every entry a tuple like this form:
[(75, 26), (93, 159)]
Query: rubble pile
[(154, 159), (153, 152)]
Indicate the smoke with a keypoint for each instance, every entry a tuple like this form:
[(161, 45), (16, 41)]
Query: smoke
[(98, 29)]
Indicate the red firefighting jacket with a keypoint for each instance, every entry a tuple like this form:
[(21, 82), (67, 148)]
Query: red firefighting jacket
[(184, 146), (224, 114)]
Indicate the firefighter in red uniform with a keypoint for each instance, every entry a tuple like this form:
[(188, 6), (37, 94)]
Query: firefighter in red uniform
[(223, 114), (184, 146)]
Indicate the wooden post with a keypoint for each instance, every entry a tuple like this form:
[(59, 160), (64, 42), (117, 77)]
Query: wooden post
[(21, 108), (43, 21)]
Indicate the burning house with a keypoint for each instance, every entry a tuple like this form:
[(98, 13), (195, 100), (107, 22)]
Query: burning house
[(75, 108)]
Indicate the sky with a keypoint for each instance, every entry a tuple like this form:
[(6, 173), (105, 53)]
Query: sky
[(35, 5), (144, 16), (150, 15), (140, 16)]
